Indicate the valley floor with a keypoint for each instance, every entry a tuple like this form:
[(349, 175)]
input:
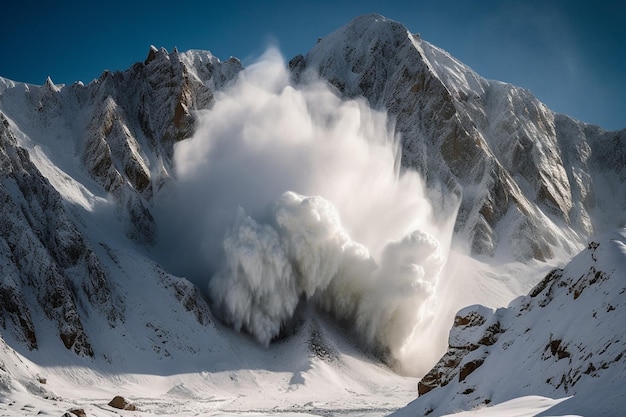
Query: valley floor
[(315, 391), (229, 374), (153, 399)]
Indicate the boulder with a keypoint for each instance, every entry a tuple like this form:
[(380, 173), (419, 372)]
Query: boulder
[(122, 404), (77, 412)]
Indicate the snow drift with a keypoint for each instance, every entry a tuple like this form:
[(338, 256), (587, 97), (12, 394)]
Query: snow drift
[(286, 195)]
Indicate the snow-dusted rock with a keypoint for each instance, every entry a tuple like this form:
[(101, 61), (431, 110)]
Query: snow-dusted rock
[(474, 328), (122, 403), (47, 266), (123, 124)]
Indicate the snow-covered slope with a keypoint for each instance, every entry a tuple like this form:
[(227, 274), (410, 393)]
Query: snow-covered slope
[(87, 296), (565, 338)]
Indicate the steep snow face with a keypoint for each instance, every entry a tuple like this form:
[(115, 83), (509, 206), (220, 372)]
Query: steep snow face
[(563, 339), (374, 57), (595, 162), (491, 145)]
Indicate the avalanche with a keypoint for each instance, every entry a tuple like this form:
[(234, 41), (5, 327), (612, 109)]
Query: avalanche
[(372, 262)]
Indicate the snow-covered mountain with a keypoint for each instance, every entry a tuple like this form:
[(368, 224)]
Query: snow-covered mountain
[(529, 181), (89, 290)]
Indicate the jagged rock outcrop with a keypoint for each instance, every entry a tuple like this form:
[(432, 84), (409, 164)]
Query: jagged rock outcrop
[(473, 330), (141, 113), (47, 268), (125, 124), (562, 339)]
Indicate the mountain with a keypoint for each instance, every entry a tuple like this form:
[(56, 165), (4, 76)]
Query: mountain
[(85, 168), (90, 142), (527, 181)]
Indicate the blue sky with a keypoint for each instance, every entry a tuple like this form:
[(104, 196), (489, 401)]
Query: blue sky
[(570, 54)]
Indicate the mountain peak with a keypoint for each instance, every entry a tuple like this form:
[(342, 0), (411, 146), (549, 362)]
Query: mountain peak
[(368, 46), (368, 19), (371, 26), (151, 54), (51, 86)]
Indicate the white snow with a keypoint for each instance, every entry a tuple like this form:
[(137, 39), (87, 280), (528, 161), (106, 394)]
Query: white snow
[(529, 406), (564, 339), (371, 262)]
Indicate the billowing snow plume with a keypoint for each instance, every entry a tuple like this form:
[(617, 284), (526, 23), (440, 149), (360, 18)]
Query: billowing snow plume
[(287, 195)]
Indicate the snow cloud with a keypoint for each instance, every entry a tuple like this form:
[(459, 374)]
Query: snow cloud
[(287, 195)]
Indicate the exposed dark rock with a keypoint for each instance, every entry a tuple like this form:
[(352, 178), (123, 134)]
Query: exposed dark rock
[(79, 412), (469, 367), (122, 404), (474, 329)]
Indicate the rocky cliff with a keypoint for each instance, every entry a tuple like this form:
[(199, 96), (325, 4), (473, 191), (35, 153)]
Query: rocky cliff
[(108, 141), (47, 267)]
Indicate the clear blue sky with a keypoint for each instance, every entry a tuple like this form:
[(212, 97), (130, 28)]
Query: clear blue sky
[(570, 54)]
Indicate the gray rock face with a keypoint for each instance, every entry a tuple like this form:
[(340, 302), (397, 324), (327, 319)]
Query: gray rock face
[(123, 127), (125, 124), (138, 116), (46, 265)]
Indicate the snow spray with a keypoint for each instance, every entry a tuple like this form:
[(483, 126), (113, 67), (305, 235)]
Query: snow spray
[(286, 194)]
